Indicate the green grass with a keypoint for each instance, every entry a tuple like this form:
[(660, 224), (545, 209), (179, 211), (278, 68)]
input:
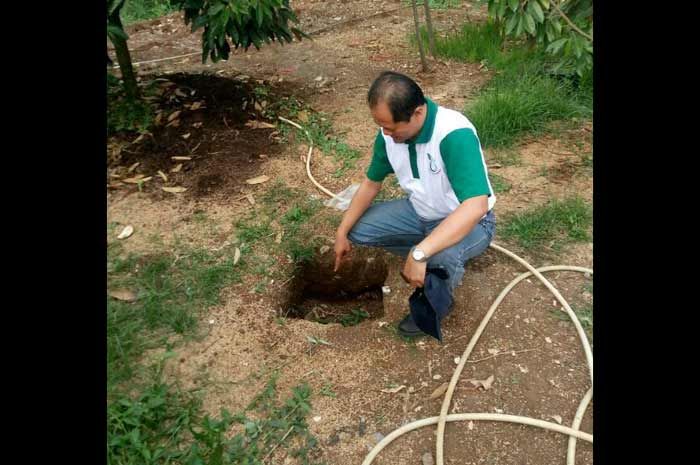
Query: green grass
[(584, 313), (355, 317), (551, 225), (524, 95), (163, 424), (499, 183), (140, 10), (170, 294), (510, 108), (504, 157), (435, 4)]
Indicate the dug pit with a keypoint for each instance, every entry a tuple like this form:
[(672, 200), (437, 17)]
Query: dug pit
[(351, 295)]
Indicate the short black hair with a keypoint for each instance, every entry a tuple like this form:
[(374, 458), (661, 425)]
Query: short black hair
[(401, 94)]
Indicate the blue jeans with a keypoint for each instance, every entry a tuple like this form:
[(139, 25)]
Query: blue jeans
[(396, 227)]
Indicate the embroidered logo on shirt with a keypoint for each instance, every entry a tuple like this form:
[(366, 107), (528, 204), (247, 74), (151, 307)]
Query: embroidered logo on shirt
[(433, 165)]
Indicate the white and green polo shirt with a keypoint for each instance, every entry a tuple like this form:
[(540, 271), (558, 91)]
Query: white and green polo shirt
[(441, 168)]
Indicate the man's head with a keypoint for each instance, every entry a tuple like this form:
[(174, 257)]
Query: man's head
[(397, 105)]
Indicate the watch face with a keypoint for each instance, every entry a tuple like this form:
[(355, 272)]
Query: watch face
[(418, 254)]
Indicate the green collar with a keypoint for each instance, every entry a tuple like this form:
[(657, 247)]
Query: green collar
[(426, 132)]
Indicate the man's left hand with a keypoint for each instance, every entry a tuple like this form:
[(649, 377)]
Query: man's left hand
[(414, 272)]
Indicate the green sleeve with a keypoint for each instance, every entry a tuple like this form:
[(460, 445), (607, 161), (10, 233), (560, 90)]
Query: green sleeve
[(463, 164), (379, 167)]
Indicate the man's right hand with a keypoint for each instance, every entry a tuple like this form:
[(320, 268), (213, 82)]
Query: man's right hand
[(342, 248)]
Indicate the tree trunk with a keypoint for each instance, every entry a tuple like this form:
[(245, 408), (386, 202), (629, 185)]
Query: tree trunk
[(429, 22), (124, 58), (418, 37)]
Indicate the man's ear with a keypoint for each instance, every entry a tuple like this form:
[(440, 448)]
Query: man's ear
[(420, 109)]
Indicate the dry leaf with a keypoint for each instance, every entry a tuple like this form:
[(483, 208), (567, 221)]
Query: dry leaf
[(181, 158), (177, 168), (186, 136), (427, 459), (141, 137), (135, 180), (173, 116), (133, 167), (493, 351), (180, 93), (159, 118), (485, 383), (258, 179), (393, 390), (523, 369), (236, 255), (126, 232), (173, 124), (278, 238), (197, 105), (324, 249), (556, 418), (162, 175), (124, 294), (303, 116), (442, 389), (198, 124), (174, 190), (548, 340), (254, 124), (250, 198), (470, 425)]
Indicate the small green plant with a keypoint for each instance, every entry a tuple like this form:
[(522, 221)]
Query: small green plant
[(317, 341), (499, 183), (504, 157), (281, 321), (356, 316), (250, 231), (327, 390), (153, 428), (558, 222)]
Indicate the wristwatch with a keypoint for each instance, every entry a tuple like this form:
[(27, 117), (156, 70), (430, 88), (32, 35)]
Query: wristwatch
[(418, 254)]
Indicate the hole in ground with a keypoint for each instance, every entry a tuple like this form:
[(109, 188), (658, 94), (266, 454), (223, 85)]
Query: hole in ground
[(350, 296)]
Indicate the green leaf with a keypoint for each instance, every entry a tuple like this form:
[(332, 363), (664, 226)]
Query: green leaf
[(555, 46), (545, 4), (513, 4), (534, 9), (259, 15), (519, 26), (529, 23), (511, 23), (492, 8), (502, 9), (557, 25), (214, 10), (549, 29)]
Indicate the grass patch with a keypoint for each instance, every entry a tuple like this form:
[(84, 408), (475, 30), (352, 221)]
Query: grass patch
[(504, 157), (163, 424), (524, 95), (510, 108), (552, 225), (170, 294), (320, 128), (499, 183), (141, 10)]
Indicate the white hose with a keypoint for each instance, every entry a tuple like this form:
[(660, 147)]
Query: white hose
[(475, 416), (573, 432), (308, 157)]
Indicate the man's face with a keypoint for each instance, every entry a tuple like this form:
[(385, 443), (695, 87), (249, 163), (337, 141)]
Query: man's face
[(402, 131)]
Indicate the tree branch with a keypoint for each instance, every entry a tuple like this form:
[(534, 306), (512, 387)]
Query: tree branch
[(571, 23)]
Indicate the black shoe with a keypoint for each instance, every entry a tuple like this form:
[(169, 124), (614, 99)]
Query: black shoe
[(407, 327)]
